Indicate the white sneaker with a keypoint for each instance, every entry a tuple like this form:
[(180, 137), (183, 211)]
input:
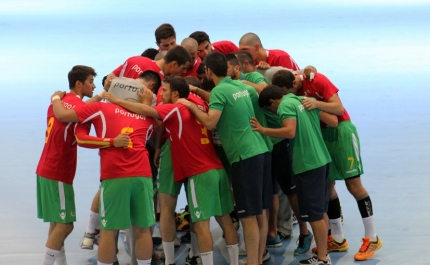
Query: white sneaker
[(87, 241), (242, 251)]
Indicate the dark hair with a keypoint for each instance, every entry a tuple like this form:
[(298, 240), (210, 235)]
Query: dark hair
[(201, 69), (164, 31), (243, 56), (80, 73), (178, 54), (151, 76), (200, 37), (178, 83), (232, 59), (270, 92), (104, 80), (217, 62), (192, 80), (150, 53), (283, 78), (207, 84)]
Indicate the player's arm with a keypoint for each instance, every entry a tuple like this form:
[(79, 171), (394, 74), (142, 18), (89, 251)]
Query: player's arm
[(99, 96), (333, 105), (209, 120), (143, 109), (329, 119), (288, 129), (258, 87), (62, 114), (200, 92), (157, 148)]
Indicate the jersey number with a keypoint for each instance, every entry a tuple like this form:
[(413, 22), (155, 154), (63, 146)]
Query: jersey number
[(204, 140), (128, 130), (48, 130), (351, 159)]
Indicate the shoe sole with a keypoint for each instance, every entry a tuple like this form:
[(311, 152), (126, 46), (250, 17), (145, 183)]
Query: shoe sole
[(277, 245)]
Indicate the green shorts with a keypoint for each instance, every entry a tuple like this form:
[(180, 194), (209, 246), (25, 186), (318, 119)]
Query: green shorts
[(223, 157), (343, 145), (55, 201), (165, 180), (125, 201), (209, 194)]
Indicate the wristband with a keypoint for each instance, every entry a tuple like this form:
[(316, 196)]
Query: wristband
[(55, 97), (111, 142), (101, 93)]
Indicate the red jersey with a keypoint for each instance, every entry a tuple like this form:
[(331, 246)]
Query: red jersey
[(58, 159), (191, 143), (224, 47), (322, 89), (193, 71), (134, 66), (109, 120), (281, 58)]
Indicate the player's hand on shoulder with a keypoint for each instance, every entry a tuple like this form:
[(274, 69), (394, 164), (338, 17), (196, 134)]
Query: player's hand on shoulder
[(309, 104), (108, 82), (256, 126), (145, 95), (184, 102), (59, 93), (263, 65), (122, 140), (110, 97)]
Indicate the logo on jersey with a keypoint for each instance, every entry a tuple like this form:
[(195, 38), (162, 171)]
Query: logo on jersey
[(63, 215), (104, 222), (240, 94), (301, 108), (197, 214)]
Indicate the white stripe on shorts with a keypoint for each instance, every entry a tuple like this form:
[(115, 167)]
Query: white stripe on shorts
[(61, 194), (193, 194), (102, 205), (356, 150)]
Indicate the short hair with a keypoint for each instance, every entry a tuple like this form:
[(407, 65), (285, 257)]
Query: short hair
[(189, 44), (80, 73), (160, 55), (283, 78), (232, 59), (243, 56), (207, 84), (217, 62), (200, 37), (104, 80), (164, 31), (192, 80), (200, 69), (270, 92), (250, 39), (178, 83), (151, 76), (178, 54), (150, 53)]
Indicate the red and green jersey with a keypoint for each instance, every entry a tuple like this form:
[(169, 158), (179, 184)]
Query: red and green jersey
[(109, 121), (58, 159), (134, 66)]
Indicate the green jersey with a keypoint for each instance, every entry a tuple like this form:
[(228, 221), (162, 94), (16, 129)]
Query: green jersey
[(238, 139), (273, 121), (255, 77), (309, 150)]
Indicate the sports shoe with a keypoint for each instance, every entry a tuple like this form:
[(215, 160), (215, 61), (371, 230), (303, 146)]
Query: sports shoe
[(368, 249), (186, 238), (334, 246), (87, 241), (304, 244), (295, 221), (266, 258), (182, 221), (196, 260), (313, 260), (158, 253), (242, 251), (283, 236), (115, 262), (177, 242), (273, 242)]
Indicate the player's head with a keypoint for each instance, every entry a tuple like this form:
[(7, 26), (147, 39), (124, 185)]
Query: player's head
[(233, 66), (150, 79), (251, 43), (270, 98), (81, 80), (191, 46), (150, 53), (246, 62), (216, 65), (165, 37), (174, 87), (194, 81), (177, 60), (207, 85), (201, 72), (287, 80), (204, 43)]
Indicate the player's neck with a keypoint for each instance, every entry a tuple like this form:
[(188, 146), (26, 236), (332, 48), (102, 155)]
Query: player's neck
[(262, 55), (77, 93)]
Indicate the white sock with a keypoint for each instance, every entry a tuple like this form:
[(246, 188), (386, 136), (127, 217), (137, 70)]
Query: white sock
[(50, 256), (233, 253), (93, 222), (169, 252), (145, 262), (207, 258), (61, 258), (369, 228), (194, 250), (101, 263), (336, 229)]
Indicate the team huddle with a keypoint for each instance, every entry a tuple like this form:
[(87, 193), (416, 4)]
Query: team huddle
[(250, 136)]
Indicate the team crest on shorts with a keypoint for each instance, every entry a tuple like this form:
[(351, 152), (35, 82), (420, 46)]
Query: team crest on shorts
[(63, 215), (104, 222), (197, 213)]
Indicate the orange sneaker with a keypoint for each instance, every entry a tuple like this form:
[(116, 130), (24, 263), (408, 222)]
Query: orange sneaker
[(368, 249), (334, 246)]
